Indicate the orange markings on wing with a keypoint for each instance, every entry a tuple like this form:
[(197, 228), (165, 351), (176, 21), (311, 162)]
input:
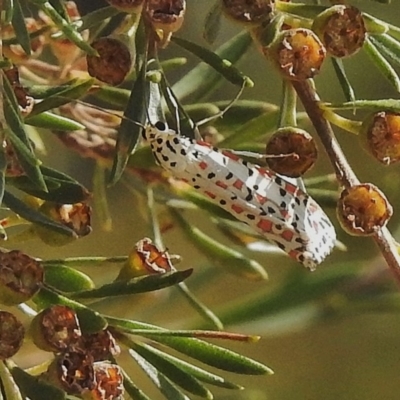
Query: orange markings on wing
[(238, 184), (287, 235), (237, 209), (261, 199), (294, 254), (210, 194), (204, 144), (284, 213), (221, 184), (265, 225), (292, 189), (230, 155), (264, 171), (203, 165)]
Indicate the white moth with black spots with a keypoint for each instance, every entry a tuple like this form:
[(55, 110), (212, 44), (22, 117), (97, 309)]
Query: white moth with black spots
[(274, 207)]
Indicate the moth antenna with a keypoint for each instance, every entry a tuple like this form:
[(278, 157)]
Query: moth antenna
[(222, 112), (104, 110)]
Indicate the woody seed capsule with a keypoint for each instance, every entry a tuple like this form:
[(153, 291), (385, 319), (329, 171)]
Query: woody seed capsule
[(363, 209), (55, 329), (114, 62), (380, 134), (293, 150), (75, 216), (11, 335), (166, 17), (298, 53), (246, 12), (20, 277), (108, 383), (341, 29)]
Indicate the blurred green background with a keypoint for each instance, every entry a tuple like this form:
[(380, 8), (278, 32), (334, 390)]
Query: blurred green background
[(349, 357)]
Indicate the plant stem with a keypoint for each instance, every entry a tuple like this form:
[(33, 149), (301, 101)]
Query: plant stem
[(344, 173)]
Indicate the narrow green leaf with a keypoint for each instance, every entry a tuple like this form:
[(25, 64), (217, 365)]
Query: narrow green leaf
[(173, 63), (48, 120), (61, 188), (64, 26), (85, 261), (252, 130), (116, 97), (204, 79), (9, 387), (371, 105), (207, 353), (44, 91), (394, 31), (24, 211), (223, 66), (388, 46), (231, 260), (212, 23), (67, 279), (132, 390), (198, 373), (216, 356), (205, 312), (90, 321), (382, 64), (164, 364), (8, 7), (374, 25), (301, 9), (60, 9), (348, 90), (137, 285), (76, 90), (93, 18), (166, 387), (21, 32), (130, 133), (35, 388), (19, 138)]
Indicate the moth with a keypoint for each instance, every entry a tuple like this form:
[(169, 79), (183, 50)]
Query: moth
[(274, 207)]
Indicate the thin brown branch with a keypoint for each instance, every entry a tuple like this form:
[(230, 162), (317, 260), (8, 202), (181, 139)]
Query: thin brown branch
[(345, 174)]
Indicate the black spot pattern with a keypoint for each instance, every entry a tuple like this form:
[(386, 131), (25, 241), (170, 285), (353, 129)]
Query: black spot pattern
[(313, 234)]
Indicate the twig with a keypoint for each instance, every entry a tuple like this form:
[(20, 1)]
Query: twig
[(344, 173)]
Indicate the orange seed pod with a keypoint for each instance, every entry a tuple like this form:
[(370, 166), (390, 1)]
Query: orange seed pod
[(298, 53), (380, 134), (55, 329), (363, 209), (75, 216)]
